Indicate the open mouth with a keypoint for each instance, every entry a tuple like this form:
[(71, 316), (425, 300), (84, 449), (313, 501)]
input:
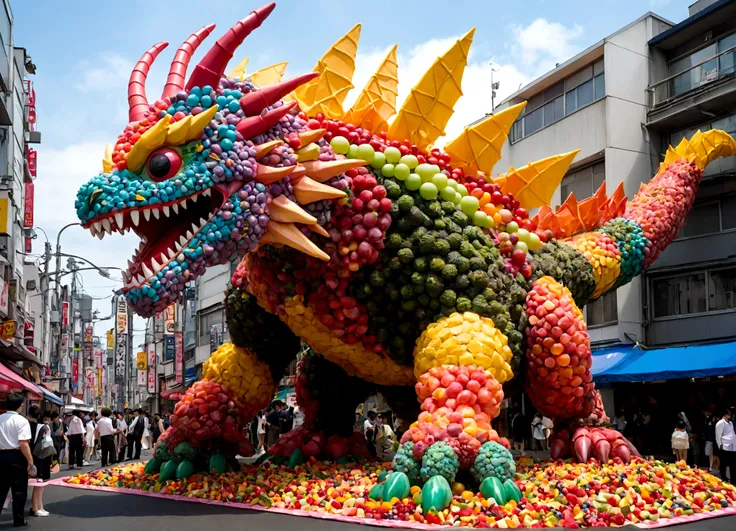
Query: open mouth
[(165, 230)]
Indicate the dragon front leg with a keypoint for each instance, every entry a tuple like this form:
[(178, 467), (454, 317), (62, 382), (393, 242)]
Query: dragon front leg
[(460, 362), (239, 380), (559, 380)]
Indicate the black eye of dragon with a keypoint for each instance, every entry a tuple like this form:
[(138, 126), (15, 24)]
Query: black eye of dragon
[(163, 164)]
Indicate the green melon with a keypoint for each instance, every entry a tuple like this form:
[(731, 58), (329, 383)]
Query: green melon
[(153, 466), (218, 465), (396, 486), (436, 494), (168, 470), (185, 469), (493, 488)]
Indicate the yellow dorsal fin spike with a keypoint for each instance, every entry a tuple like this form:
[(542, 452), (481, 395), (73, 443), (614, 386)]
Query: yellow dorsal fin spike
[(107, 165), (429, 106), (268, 75), (326, 93), (702, 148), (377, 102), (534, 184), (478, 147), (150, 140), (239, 71)]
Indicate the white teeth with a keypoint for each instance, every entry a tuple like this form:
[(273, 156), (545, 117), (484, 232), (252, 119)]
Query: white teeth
[(175, 208), (93, 231), (207, 192), (182, 241), (202, 222), (130, 265), (126, 277), (98, 226), (166, 211), (164, 258), (194, 228), (146, 272), (194, 198), (100, 235), (172, 253), (147, 214), (106, 225), (156, 213), (119, 219), (189, 235), (184, 204), (154, 265), (140, 279), (135, 217)]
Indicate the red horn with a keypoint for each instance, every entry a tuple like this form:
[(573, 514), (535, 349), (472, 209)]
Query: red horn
[(212, 66), (255, 125), (137, 101), (254, 102), (178, 70)]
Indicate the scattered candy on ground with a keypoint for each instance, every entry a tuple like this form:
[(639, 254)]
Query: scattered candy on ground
[(553, 493)]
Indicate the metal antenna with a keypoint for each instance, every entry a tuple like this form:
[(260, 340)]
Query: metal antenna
[(494, 88)]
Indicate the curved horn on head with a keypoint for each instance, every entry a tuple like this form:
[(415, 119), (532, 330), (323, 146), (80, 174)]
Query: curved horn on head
[(212, 66), (137, 101), (254, 102), (178, 69)]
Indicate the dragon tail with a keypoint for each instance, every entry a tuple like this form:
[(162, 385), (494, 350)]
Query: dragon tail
[(626, 246)]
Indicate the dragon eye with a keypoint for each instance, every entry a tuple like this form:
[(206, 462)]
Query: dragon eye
[(163, 164)]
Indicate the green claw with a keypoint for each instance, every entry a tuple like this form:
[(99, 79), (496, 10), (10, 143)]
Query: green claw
[(436, 494)]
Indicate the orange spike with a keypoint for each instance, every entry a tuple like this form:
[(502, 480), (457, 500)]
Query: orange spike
[(287, 234), (283, 209), (299, 172), (264, 149), (323, 170), (307, 190), (319, 229), (307, 137), (269, 174)]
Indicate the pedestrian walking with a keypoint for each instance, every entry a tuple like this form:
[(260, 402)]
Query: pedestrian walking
[(106, 434), (680, 441), (261, 429), (89, 438), (709, 436), (135, 434), (274, 424), (43, 450), (75, 435), (726, 441), (540, 441), (121, 437), (157, 429), (58, 432), (147, 431), (16, 460)]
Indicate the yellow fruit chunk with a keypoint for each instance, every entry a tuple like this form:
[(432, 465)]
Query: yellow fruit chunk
[(248, 378)]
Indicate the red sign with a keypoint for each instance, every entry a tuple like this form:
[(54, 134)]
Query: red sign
[(75, 370), (29, 245), (32, 158), (31, 94), (151, 367), (28, 207), (65, 314), (179, 360)]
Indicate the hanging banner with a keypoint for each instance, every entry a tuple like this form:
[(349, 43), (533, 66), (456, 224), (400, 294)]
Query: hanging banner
[(170, 319), (65, 314), (28, 206), (122, 316), (75, 370), (110, 339), (152, 368), (99, 382), (3, 297), (64, 346), (121, 347), (142, 378), (141, 362), (29, 245), (170, 348), (32, 159), (98, 358), (88, 334), (179, 361)]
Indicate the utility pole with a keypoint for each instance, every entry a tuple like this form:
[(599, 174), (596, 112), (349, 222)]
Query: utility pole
[(494, 88), (72, 343), (45, 304)]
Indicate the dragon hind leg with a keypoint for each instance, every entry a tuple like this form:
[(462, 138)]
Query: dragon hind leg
[(460, 362), (328, 397), (559, 380), (239, 380)]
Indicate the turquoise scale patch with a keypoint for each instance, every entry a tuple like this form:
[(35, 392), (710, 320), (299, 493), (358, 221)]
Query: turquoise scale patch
[(632, 243)]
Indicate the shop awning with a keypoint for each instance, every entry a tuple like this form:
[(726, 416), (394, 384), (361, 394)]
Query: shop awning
[(605, 358), (51, 397), (17, 352), (17, 381), (672, 363)]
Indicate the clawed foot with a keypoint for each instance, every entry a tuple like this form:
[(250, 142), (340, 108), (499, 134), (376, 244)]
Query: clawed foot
[(586, 442), (318, 444)]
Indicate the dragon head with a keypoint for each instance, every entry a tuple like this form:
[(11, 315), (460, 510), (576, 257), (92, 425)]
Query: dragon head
[(184, 174)]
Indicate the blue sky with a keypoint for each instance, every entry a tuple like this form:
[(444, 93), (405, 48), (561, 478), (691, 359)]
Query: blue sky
[(84, 55)]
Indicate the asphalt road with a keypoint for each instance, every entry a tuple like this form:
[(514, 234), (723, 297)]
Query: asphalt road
[(85, 510)]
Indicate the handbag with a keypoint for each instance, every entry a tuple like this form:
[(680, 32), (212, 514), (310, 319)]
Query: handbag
[(44, 445)]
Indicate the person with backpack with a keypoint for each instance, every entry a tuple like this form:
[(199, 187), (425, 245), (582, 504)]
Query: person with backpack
[(43, 452), (58, 433), (135, 434)]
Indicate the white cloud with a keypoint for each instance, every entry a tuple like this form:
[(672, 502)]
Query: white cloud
[(109, 73), (541, 44)]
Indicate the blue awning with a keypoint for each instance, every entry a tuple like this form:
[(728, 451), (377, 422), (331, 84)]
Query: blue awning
[(605, 358), (51, 397), (672, 363)]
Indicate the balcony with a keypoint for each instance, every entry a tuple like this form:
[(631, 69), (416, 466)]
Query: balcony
[(705, 89)]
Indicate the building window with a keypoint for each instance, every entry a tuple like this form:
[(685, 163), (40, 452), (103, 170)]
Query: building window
[(207, 321), (693, 72), (583, 182), (572, 93), (679, 295), (690, 293), (602, 311), (710, 216)]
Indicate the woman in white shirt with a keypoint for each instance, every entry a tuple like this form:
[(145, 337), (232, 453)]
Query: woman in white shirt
[(261, 432), (89, 439), (147, 434)]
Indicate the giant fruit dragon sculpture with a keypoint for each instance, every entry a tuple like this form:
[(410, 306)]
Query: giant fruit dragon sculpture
[(407, 269)]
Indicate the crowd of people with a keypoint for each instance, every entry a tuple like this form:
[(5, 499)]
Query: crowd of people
[(270, 423)]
